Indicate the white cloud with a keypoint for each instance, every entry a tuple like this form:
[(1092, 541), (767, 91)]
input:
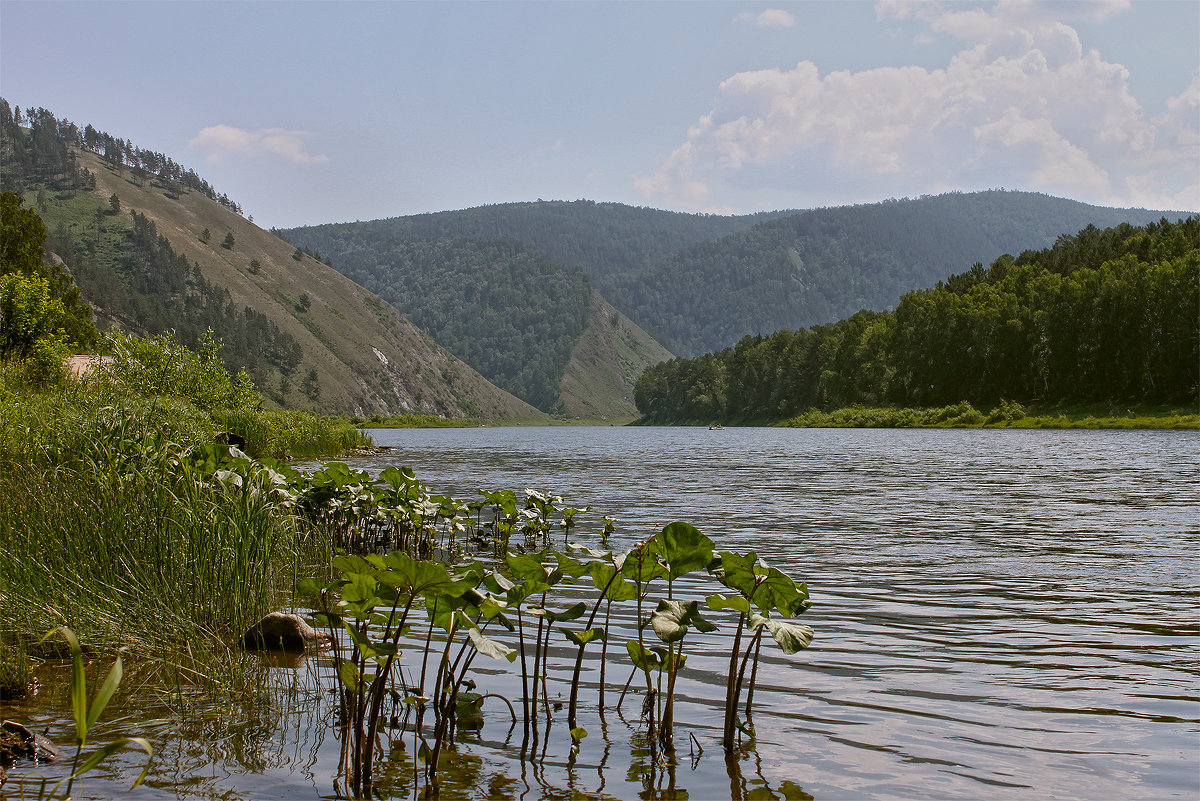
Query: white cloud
[(771, 18), (225, 141), (1021, 105)]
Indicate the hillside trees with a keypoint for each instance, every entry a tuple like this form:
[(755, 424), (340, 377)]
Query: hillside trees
[(1100, 316), (41, 311)]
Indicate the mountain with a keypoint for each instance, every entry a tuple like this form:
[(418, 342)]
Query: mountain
[(826, 264), (516, 315), (512, 289), (697, 283), (153, 253)]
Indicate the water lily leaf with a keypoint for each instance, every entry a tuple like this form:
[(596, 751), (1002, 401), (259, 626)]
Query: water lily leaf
[(779, 592), (668, 620), (397, 478), (489, 647), (641, 567), (497, 582), (359, 590), (570, 613), (643, 658), (717, 602), (570, 566), (348, 673), (584, 637), (736, 571), (578, 733), (592, 552), (682, 547), (792, 637)]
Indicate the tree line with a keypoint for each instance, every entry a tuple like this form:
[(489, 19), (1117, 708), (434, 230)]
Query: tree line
[(1104, 315), (43, 154)]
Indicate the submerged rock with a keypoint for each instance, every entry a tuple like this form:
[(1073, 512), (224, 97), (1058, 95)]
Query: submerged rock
[(281, 631)]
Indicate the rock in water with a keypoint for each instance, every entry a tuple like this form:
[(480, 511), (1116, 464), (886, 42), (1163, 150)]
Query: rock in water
[(280, 631), (21, 741)]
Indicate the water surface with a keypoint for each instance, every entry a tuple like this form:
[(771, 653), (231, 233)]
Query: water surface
[(998, 614)]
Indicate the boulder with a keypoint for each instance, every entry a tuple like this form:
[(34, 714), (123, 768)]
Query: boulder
[(281, 631)]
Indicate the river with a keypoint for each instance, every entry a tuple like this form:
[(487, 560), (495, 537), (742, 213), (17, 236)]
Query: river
[(998, 614)]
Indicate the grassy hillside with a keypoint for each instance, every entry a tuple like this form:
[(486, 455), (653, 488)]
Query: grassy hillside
[(613, 352), (356, 353)]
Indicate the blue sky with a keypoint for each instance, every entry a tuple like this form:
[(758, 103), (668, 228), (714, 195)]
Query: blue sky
[(318, 112)]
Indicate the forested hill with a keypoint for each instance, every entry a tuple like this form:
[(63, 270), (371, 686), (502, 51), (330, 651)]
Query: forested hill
[(154, 248), (514, 314), (611, 242), (823, 265), (1102, 316), (700, 282)]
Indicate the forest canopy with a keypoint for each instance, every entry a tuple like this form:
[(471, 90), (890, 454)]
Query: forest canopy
[(1104, 315)]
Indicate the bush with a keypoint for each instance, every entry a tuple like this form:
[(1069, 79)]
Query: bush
[(161, 366)]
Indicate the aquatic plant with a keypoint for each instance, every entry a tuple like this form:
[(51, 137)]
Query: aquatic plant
[(768, 590), (88, 712)]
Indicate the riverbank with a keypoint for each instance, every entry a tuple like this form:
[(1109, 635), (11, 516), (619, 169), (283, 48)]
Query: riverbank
[(1007, 415)]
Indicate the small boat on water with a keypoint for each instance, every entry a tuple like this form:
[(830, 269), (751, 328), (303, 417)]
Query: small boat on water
[(716, 427)]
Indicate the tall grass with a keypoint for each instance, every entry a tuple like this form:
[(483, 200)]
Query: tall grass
[(103, 527), (290, 434), (121, 543)]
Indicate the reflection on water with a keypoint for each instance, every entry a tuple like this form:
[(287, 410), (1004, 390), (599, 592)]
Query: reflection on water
[(999, 614)]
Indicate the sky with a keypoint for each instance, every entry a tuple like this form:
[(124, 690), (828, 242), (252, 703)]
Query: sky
[(311, 112)]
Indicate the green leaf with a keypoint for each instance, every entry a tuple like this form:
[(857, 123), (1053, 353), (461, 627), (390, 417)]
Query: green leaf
[(584, 637), (570, 613), (717, 602), (578, 733), (682, 547), (569, 565), (105, 693), (348, 673), (736, 571), (672, 618), (79, 704), (102, 753), (643, 658)]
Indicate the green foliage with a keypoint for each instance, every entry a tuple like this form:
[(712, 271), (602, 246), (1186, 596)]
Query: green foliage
[(1100, 316), (161, 366), (30, 326), (41, 314)]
